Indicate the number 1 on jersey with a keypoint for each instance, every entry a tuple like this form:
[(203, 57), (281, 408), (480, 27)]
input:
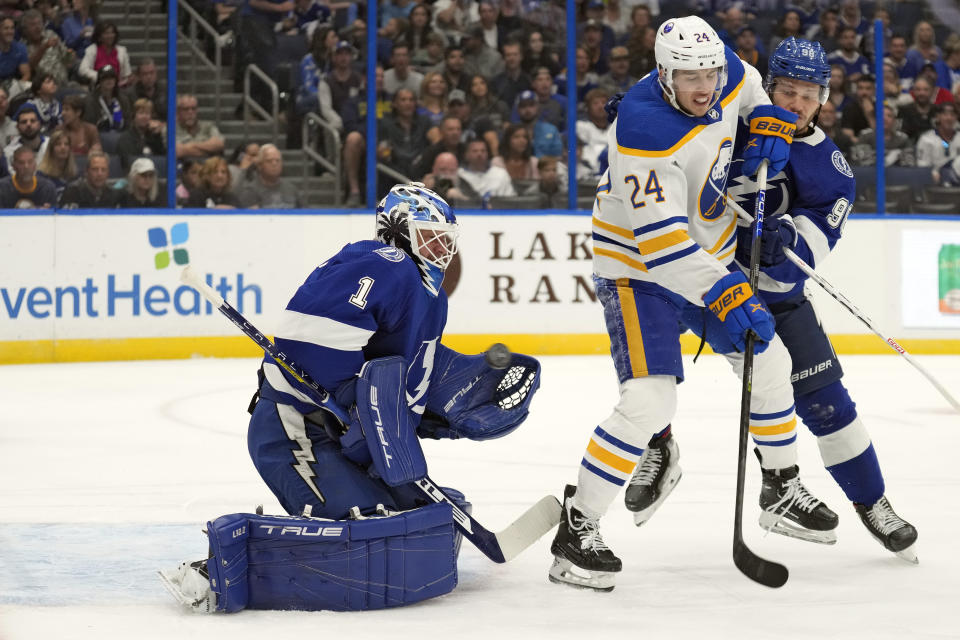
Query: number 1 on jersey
[(359, 299)]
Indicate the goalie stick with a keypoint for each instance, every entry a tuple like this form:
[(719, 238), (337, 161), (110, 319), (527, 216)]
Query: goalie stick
[(499, 547), (842, 299), (766, 572)]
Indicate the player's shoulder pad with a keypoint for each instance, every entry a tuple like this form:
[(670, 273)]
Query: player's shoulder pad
[(394, 272), (647, 125), (824, 167), (382, 259)]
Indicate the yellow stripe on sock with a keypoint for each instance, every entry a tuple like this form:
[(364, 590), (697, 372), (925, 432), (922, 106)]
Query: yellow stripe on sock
[(609, 458), (775, 429)]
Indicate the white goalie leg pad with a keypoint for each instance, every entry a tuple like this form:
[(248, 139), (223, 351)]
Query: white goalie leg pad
[(646, 406), (773, 422), (565, 572)]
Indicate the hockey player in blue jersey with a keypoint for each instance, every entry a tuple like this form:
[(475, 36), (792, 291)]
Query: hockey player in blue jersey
[(663, 245), (371, 316), (806, 209)]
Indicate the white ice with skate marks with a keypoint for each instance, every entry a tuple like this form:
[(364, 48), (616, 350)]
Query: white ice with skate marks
[(110, 470)]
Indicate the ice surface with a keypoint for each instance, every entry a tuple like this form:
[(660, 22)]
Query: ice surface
[(109, 471)]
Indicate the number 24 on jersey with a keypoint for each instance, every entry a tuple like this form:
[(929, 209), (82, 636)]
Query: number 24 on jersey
[(652, 187)]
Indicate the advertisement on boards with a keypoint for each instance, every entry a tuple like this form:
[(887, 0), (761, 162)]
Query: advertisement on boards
[(931, 278)]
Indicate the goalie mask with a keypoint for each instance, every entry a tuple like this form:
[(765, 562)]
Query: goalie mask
[(420, 223), (689, 44)]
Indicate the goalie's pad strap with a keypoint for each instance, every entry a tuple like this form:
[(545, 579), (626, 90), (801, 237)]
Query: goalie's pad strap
[(389, 426), (311, 564)]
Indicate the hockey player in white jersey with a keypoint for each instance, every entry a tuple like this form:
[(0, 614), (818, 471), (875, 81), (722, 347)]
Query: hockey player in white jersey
[(663, 244), (807, 206)]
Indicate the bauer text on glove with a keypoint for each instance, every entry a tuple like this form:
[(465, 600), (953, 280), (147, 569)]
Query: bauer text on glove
[(732, 300), (771, 132)]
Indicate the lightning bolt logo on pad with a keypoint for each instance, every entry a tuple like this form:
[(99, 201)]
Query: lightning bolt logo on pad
[(295, 429), (425, 355)]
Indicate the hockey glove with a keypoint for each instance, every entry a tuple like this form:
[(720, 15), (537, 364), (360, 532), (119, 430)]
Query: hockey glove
[(613, 106), (732, 300), (771, 132), (778, 232)]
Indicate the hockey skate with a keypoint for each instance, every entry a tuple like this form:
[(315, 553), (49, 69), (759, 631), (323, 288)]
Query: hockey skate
[(581, 558), (656, 475), (190, 585), (791, 510), (890, 530)]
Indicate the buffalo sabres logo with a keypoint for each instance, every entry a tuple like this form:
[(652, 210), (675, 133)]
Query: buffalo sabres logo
[(713, 114), (711, 202)]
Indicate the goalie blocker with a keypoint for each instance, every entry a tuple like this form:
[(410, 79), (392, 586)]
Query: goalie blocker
[(312, 564)]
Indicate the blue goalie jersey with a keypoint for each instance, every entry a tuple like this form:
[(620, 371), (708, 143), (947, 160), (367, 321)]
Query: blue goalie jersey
[(366, 302), (817, 189)]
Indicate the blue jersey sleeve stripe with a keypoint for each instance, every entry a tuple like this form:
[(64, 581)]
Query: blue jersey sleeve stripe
[(322, 331), (683, 253), (653, 226), (599, 238), (629, 448)]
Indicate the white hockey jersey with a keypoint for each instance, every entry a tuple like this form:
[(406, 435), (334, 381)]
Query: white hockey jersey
[(660, 214)]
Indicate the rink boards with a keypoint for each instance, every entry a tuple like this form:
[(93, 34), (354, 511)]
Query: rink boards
[(104, 285)]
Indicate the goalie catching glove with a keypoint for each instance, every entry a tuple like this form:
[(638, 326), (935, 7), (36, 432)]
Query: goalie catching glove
[(470, 399)]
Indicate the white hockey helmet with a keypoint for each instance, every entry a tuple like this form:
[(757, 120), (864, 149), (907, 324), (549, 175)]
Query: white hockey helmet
[(689, 44)]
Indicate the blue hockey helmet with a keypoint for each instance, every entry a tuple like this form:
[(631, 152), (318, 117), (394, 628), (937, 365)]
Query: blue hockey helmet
[(420, 223), (802, 60)]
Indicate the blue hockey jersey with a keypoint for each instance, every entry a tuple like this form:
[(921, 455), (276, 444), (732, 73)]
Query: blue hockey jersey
[(817, 189), (366, 302)]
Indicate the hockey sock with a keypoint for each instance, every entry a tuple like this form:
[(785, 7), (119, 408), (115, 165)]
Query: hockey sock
[(860, 478), (844, 443), (773, 423), (775, 435), (607, 464)]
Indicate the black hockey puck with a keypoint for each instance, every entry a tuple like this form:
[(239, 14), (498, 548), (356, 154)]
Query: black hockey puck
[(498, 356)]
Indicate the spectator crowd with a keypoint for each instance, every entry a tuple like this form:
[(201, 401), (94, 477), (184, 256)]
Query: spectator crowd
[(470, 94)]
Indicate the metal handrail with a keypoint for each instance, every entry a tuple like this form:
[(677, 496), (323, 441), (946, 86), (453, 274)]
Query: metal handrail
[(393, 173), (249, 102), (197, 21), (311, 153)]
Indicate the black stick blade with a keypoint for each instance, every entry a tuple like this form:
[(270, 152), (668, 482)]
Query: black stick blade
[(765, 572)]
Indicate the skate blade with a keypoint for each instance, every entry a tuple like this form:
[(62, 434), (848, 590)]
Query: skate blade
[(771, 522), (909, 554), (641, 517), (171, 582), (565, 572)]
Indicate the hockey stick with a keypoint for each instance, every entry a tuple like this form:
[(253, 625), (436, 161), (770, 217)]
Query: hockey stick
[(766, 572), (842, 299), (499, 547)]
